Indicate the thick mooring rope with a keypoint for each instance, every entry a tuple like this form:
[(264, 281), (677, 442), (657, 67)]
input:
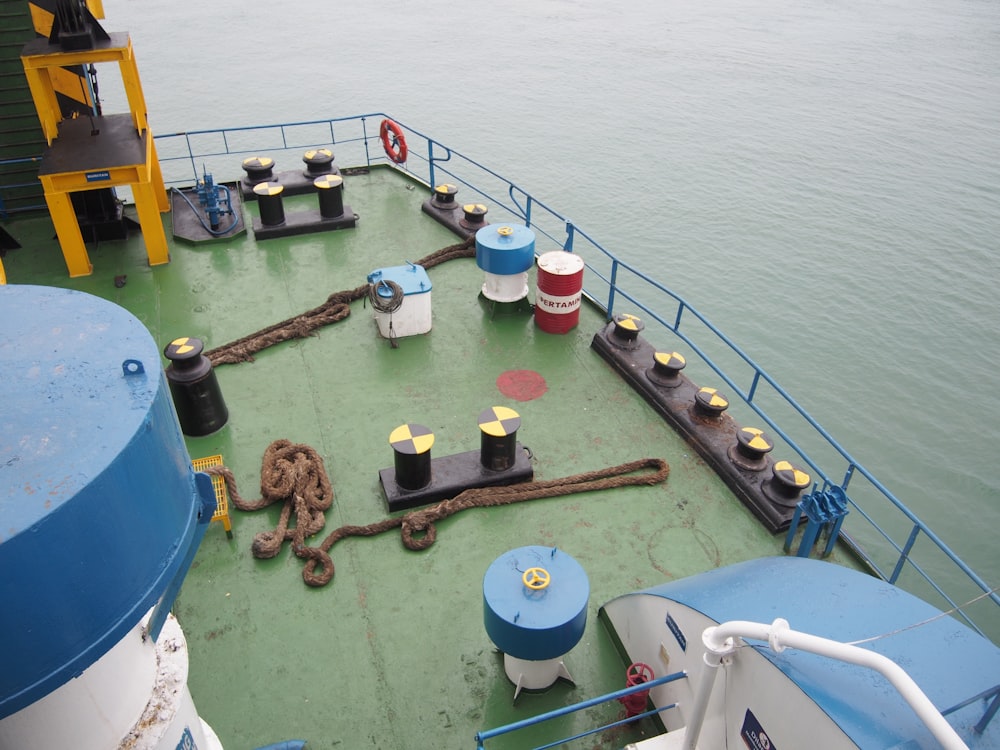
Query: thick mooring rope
[(295, 475), (288, 475), (336, 308)]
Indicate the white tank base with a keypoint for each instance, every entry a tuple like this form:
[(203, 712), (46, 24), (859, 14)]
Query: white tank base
[(512, 288), (170, 720), (135, 697), (534, 675)]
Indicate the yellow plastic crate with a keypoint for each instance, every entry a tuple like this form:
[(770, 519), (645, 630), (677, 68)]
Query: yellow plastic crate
[(221, 494)]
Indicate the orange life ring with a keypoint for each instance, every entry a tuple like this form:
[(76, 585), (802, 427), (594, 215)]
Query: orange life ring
[(393, 141)]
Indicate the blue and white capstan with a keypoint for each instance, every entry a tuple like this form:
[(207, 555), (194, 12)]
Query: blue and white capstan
[(505, 253), (535, 611)]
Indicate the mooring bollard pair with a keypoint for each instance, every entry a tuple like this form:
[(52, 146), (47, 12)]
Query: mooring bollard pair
[(417, 479)]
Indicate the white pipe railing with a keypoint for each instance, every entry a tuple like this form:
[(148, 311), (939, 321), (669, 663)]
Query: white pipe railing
[(721, 641)]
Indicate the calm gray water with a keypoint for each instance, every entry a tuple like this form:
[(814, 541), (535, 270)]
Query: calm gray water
[(821, 178)]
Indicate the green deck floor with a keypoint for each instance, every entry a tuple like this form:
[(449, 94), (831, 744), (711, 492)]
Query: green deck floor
[(393, 653)]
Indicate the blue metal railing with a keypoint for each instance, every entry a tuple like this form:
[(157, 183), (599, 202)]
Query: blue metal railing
[(881, 530), (488, 734)]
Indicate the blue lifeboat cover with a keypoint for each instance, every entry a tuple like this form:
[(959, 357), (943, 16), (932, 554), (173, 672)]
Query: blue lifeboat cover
[(535, 624), (98, 501), (505, 250)]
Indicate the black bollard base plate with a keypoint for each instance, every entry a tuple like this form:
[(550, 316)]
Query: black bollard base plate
[(450, 218), (451, 475), (304, 222), (712, 438)]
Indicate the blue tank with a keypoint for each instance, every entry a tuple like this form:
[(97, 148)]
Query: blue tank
[(99, 505), (535, 602)]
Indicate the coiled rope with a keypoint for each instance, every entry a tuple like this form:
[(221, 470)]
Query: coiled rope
[(294, 474), (385, 304), (336, 308)]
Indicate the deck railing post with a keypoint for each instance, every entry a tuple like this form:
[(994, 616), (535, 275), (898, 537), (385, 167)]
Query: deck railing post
[(430, 163), (904, 555), (364, 139), (611, 291), (570, 232), (194, 169)]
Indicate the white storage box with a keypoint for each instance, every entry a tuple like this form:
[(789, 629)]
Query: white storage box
[(414, 314)]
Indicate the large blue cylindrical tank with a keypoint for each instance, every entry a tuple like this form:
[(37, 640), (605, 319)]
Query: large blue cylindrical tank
[(505, 250), (98, 501), (535, 623)]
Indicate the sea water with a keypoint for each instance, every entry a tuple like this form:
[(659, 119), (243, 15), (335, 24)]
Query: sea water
[(820, 178)]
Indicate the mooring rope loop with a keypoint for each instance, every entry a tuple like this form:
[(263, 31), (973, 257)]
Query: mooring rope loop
[(336, 308), (295, 474)]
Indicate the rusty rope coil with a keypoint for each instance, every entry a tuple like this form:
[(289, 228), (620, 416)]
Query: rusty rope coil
[(417, 528), (336, 308)]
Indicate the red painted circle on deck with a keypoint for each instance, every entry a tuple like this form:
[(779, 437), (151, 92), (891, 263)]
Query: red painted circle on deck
[(521, 385)]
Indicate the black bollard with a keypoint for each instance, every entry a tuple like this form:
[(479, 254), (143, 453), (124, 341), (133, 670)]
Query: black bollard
[(272, 208), (194, 388), (330, 189)]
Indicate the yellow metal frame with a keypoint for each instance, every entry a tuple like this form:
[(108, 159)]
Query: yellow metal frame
[(221, 493), (42, 72), (38, 70), (146, 181)]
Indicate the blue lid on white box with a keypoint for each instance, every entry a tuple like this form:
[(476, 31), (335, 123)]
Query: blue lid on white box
[(411, 278)]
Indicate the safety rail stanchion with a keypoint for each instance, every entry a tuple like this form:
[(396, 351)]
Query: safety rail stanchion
[(904, 554), (612, 287), (430, 163), (364, 134), (570, 233)]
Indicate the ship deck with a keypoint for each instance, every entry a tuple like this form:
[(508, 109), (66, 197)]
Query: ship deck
[(392, 653)]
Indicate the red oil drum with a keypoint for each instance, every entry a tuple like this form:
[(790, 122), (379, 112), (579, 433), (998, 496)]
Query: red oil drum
[(560, 284)]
